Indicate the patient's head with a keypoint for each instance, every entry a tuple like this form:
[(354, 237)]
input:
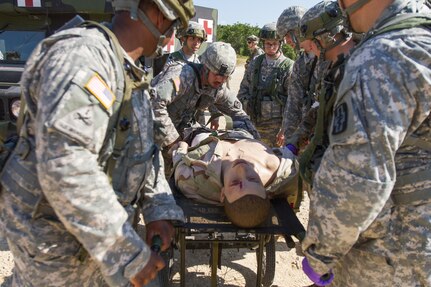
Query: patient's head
[(243, 194)]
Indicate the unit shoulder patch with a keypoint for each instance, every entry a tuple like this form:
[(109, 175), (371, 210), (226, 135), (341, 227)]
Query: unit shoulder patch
[(98, 88), (340, 119)]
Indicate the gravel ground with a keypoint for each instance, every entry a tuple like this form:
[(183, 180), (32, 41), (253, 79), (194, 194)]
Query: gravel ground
[(238, 266)]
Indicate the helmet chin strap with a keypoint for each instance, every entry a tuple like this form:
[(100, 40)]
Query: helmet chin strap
[(356, 6), (331, 46), (352, 9), (295, 40), (153, 29)]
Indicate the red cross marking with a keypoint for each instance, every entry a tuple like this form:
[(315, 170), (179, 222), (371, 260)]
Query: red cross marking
[(209, 30)]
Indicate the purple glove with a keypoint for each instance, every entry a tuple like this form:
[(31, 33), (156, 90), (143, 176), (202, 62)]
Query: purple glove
[(319, 280), (292, 148)]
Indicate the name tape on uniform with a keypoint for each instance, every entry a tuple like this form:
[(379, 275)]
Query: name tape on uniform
[(98, 88)]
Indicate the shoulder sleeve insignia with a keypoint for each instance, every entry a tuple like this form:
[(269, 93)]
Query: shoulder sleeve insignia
[(98, 88), (339, 123)]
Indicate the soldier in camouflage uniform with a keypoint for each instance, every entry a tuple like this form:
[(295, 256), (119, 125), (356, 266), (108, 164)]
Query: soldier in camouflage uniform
[(263, 90), (69, 195), (323, 27), (180, 93), (191, 40), (371, 202), (301, 83), (255, 50)]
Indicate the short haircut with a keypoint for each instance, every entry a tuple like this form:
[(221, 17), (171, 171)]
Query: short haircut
[(248, 211)]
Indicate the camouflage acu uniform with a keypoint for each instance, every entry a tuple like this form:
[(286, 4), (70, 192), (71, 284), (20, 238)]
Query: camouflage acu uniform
[(371, 202), (301, 91), (180, 57), (322, 114), (179, 94), (66, 223), (263, 92), (302, 128), (256, 52)]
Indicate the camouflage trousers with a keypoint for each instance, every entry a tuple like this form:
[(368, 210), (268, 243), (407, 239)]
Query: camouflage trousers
[(41, 270), (44, 252), (400, 257), (268, 130)]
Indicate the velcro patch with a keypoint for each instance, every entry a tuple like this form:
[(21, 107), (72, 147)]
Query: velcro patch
[(339, 123), (98, 88)]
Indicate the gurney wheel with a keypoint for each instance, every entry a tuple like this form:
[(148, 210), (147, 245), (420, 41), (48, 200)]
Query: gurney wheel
[(268, 262)]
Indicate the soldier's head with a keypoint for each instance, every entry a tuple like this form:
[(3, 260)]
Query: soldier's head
[(245, 199), (270, 39), (322, 27), (159, 17), (288, 26), (252, 41), (192, 37), (362, 14), (219, 60)]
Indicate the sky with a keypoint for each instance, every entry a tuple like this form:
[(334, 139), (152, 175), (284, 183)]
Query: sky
[(253, 12)]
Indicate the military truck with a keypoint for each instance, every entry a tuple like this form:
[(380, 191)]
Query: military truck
[(23, 24)]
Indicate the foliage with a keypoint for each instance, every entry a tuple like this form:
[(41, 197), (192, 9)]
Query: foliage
[(237, 34)]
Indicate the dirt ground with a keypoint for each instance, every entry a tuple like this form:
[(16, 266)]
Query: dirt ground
[(238, 266)]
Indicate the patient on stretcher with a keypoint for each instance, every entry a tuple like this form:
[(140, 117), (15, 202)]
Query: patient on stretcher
[(233, 169)]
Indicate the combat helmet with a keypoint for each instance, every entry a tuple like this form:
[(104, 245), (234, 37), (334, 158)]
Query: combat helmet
[(172, 9), (193, 30), (178, 11), (219, 58), (252, 38), (288, 22), (323, 22), (269, 32)]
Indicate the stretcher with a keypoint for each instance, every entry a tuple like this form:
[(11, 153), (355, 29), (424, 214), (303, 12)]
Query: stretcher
[(207, 227)]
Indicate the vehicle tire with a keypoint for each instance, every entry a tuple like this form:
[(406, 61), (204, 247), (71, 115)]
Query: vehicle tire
[(268, 262)]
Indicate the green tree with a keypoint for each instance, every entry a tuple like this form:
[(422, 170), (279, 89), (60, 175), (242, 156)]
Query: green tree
[(237, 34)]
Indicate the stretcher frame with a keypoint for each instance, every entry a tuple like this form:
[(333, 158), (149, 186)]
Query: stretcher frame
[(211, 219)]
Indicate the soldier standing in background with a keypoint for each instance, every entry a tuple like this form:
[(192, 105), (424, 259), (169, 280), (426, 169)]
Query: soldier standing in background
[(191, 40), (323, 26), (180, 93), (302, 81), (69, 194), (263, 90), (371, 201), (255, 50)]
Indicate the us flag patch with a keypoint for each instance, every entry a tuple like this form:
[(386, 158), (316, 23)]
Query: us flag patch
[(29, 3), (100, 90)]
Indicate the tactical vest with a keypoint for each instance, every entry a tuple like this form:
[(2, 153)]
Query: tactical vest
[(309, 160), (176, 57), (326, 103), (272, 91)]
